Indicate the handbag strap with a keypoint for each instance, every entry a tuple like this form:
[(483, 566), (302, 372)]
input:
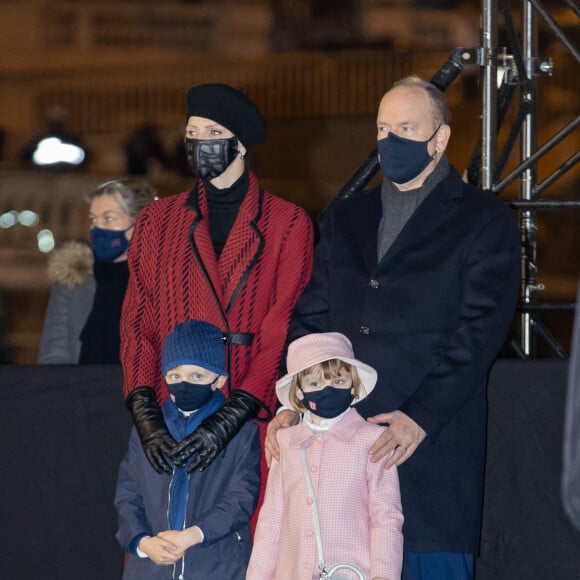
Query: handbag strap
[(324, 573), (314, 506)]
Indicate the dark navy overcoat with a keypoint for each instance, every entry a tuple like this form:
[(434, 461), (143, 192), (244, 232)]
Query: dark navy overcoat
[(431, 318), (221, 500)]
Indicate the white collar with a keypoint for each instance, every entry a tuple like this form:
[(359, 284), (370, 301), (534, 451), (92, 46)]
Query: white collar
[(325, 424)]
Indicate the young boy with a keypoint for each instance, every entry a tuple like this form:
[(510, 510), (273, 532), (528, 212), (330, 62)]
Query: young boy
[(190, 525)]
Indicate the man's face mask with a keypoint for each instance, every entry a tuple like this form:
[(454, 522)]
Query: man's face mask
[(209, 158), (403, 159)]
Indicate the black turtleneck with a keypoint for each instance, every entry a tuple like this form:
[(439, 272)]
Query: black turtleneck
[(100, 337), (223, 206)]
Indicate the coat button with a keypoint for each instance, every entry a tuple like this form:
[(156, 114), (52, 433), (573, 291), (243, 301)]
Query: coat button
[(364, 330), (374, 283), (309, 501), (313, 468)]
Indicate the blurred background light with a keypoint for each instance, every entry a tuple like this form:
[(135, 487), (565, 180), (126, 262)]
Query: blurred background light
[(8, 219), (45, 239), (52, 150), (28, 218)]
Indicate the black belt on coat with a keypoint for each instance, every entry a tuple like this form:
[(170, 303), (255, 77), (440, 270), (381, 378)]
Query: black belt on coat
[(239, 338)]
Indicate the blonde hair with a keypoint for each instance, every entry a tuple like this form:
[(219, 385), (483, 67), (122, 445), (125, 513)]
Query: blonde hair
[(326, 369)]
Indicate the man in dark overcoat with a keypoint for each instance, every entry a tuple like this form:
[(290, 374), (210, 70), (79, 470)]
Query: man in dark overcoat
[(422, 274)]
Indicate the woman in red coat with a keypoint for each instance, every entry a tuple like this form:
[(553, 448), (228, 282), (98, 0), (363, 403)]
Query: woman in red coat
[(226, 252)]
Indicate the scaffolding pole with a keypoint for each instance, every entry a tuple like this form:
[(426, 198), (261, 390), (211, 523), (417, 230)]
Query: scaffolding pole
[(520, 68), (528, 66)]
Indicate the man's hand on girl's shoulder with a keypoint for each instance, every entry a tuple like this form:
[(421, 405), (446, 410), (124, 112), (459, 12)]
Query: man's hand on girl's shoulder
[(284, 418)]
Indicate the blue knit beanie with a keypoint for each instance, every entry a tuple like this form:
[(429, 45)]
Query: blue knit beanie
[(195, 342)]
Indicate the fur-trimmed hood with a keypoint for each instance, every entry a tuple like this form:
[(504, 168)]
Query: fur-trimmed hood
[(71, 264)]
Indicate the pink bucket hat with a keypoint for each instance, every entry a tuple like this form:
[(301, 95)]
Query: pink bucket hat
[(316, 348)]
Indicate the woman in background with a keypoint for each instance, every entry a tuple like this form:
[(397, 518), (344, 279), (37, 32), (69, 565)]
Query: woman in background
[(81, 325)]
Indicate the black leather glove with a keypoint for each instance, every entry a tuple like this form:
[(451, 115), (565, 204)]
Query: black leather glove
[(151, 427), (216, 431)]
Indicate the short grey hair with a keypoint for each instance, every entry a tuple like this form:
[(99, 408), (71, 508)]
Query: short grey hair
[(439, 109), (132, 195)]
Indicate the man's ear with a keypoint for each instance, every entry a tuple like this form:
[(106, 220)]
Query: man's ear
[(442, 138)]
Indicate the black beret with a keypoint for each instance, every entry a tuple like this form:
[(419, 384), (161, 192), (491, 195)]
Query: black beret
[(228, 107)]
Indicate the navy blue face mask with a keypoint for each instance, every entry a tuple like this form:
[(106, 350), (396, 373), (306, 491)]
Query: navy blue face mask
[(209, 158), (108, 245), (403, 159), (191, 396), (328, 402)]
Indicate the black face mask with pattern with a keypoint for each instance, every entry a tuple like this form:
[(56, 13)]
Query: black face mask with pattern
[(209, 158)]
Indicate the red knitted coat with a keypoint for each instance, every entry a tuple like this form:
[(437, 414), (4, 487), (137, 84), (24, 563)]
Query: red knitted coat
[(174, 276)]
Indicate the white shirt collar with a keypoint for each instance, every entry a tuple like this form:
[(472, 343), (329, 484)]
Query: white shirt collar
[(325, 424)]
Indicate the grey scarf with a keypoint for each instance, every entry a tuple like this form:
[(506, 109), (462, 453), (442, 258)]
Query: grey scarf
[(398, 206)]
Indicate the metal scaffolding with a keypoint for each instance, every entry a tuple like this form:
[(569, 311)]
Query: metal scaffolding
[(521, 66), (506, 72)]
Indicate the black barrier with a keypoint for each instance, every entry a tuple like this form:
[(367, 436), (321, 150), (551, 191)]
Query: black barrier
[(525, 533), (63, 431)]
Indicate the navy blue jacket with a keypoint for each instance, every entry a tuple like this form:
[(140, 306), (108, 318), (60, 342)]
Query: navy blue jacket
[(221, 501), (431, 318)]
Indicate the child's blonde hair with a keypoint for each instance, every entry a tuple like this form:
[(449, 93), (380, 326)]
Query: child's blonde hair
[(326, 369)]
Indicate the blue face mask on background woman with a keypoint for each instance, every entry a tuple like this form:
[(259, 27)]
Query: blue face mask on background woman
[(403, 159), (328, 402), (109, 245)]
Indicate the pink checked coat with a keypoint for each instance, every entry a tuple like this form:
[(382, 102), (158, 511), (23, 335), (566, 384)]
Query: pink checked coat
[(359, 506)]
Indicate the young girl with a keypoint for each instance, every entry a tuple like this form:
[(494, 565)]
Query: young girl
[(358, 502)]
